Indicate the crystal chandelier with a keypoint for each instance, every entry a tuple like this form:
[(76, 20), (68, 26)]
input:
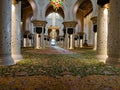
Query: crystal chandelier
[(56, 3)]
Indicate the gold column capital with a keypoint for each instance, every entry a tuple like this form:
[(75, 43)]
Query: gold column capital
[(70, 23), (94, 20), (39, 23)]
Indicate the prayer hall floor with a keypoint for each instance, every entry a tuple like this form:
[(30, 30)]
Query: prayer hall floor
[(58, 69)]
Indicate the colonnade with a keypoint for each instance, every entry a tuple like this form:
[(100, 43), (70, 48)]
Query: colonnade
[(106, 35)]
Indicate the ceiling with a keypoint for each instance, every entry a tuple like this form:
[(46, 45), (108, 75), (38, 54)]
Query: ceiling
[(25, 4), (50, 9), (86, 7)]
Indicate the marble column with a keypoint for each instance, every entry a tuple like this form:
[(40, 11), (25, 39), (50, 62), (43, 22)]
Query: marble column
[(80, 39), (39, 40), (24, 42), (16, 31), (81, 43), (66, 39), (30, 37), (30, 42), (95, 41), (114, 33), (76, 40), (42, 38), (102, 34), (94, 20), (70, 42), (5, 33)]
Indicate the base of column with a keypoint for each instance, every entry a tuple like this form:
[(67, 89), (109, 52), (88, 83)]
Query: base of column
[(71, 48), (102, 58), (38, 47), (6, 60), (113, 61), (94, 48), (81, 46), (17, 58)]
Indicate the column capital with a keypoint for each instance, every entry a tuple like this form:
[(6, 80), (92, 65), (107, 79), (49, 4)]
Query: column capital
[(26, 32), (80, 33), (70, 23), (39, 23), (94, 20)]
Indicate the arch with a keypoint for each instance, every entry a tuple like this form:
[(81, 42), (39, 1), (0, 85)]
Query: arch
[(34, 6), (28, 22), (95, 8), (58, 22), (46, 6), (81, 2), (50, 10)]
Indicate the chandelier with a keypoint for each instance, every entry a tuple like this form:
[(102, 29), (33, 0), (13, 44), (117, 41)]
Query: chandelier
[(56, 4)]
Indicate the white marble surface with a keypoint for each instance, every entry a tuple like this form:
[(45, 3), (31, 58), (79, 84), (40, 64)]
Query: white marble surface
[(16, 32), (102, 34), (5, 33)]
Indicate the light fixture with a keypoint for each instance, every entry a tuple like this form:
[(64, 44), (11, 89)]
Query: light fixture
[(56, 4)]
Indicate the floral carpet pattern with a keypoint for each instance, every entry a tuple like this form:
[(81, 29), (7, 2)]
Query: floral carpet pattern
[(71, 71)]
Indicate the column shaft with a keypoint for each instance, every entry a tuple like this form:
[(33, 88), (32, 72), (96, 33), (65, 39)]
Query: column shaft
[(5, 33), (42, 38), (102, 34), (95, 41), (114, 33), (66, 39), (81, 43), (16, 32), (71, 41), (30, 42), (94, 20), (37, 41), (24, 42)]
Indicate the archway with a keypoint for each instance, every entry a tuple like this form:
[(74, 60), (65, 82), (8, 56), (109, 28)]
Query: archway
[(83, 11), (55, 18)]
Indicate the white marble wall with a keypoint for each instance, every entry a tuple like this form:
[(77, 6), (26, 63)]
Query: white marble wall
[(5, 33), (95, 8), (88, 29)]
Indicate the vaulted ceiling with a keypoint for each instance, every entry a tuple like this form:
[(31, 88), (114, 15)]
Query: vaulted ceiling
[(25, 4), (86, 7), (50, 9)]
